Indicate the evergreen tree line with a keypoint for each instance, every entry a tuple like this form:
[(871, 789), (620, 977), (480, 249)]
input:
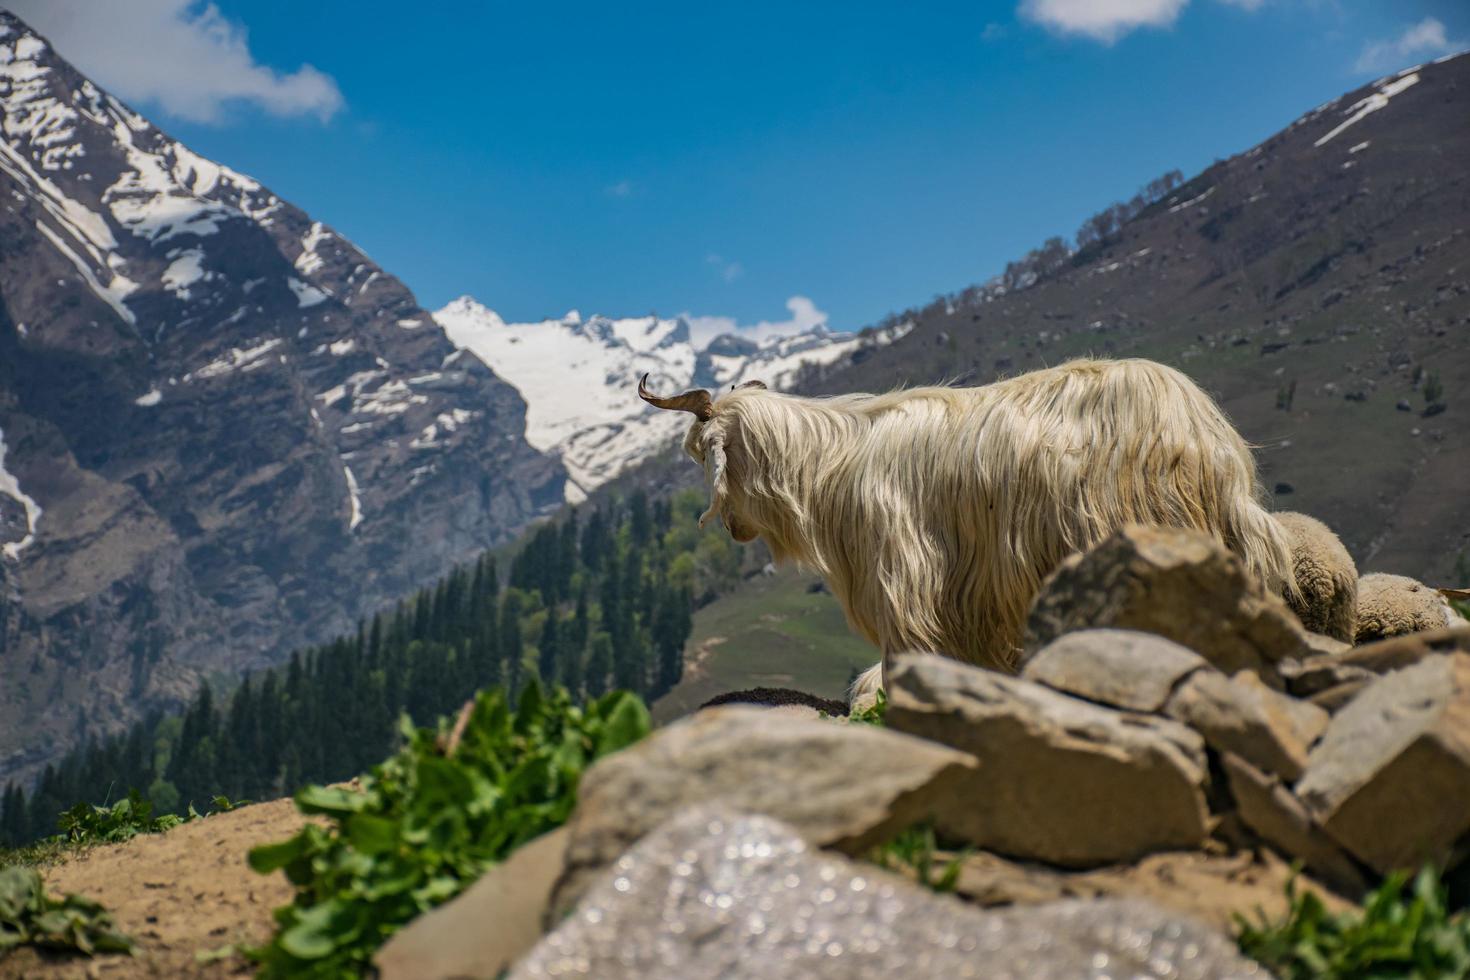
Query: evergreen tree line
[(593, 604)]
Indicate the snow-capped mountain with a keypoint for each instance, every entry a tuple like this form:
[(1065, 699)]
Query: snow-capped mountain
[(224, 431), (578, 376)]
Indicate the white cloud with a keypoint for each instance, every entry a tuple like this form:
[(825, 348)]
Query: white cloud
[(729, 271), (804, 316), (1101, 20), (185, 57), (1418, 42), (623, 188)]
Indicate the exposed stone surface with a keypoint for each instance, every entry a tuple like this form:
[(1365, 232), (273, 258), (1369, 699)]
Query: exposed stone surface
[(1241, 715), (479, 934), (1060, 780), (1124, 668), (1179, 584), (1333, 699), (1392, 605), (1208, 886), (842, 786), (1268, 808), (1390, 778), (1326, 577), (714, 894)]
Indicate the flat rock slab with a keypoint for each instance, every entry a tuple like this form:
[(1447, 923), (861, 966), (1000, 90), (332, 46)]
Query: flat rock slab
[(1390, 779), (715, 894), (843, 786), (1060, 780), (1268, 729), (1279, 818), (1179, 584), (481, 932), (1123, 668)]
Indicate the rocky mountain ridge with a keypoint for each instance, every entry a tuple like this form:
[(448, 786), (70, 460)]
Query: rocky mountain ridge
[(577, 376), (226, 431)]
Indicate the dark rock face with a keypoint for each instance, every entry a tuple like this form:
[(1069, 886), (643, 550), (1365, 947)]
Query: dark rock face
[(236, 433)]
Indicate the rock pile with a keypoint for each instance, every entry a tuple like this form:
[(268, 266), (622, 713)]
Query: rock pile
[(1171, 721)]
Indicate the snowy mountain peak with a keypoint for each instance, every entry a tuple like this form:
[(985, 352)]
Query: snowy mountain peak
[(578, 376)]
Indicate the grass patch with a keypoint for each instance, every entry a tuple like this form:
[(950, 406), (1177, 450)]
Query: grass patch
[(431, 819), (772, 631), (86, 825), (916, 853), (1403, 930)]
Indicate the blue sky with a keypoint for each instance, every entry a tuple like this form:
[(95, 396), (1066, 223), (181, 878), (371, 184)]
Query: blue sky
[(720, 160)]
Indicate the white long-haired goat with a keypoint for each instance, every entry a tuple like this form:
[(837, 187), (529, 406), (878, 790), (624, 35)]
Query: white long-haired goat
[(935, 513)]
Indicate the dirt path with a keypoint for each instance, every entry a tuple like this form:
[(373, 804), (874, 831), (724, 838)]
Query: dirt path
[(179, 894)]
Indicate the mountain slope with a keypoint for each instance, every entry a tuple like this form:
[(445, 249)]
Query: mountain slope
[(1325, 268), (578, 377), (226, 431)]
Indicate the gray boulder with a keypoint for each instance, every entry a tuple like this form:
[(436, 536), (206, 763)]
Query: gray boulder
[(1390, 779), (1179, 584), (1123, 668), (715, 894), (847, 787), (484, 930), (1060, 780), (1269, 809), (1264, 727)]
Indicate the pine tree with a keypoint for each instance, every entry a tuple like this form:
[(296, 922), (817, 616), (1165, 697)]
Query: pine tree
[(512, 647), (548, 650), (599, 666)]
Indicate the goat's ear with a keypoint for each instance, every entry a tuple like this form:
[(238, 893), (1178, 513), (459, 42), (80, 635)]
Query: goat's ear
[(714, 467)]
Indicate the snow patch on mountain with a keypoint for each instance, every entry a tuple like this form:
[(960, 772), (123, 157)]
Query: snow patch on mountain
[(579, 377), (10, 487)]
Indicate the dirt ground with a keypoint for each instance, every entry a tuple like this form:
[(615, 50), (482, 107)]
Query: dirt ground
[(186, 897)]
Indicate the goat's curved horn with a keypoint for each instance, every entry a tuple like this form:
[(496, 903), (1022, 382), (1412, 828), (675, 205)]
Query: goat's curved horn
[(696, 401), (752, 383)]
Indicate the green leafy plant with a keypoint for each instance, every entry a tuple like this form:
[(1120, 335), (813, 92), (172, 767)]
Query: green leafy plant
[(428, 821), (874, 713), (916, 851), (30, 917), (1396, 934)]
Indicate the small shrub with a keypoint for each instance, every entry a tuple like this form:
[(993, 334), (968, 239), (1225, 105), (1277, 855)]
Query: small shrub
[(29, 917), (430, 820), (1395, 934), (916, 851)]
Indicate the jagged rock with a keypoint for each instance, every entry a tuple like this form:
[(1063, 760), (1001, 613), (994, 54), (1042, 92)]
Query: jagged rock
[(1061, 780), (1391, 776), (1392, 605), (479, 934), (1333, 699), (1314, 675), (846, 787), (1210, 887), (1266, 728), (1124, 668), (1268, 808), (716, 894), (1179, 584), (1326, 577)]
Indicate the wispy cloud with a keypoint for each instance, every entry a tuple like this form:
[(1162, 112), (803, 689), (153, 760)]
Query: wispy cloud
[(623, 188), (1101, 20), (804, 316), (993, 32), (1107, 20), (186, 58), (1426, 39), (728, 271)]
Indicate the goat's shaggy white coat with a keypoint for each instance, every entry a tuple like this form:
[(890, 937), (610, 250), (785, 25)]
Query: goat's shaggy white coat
[(935, 513)]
